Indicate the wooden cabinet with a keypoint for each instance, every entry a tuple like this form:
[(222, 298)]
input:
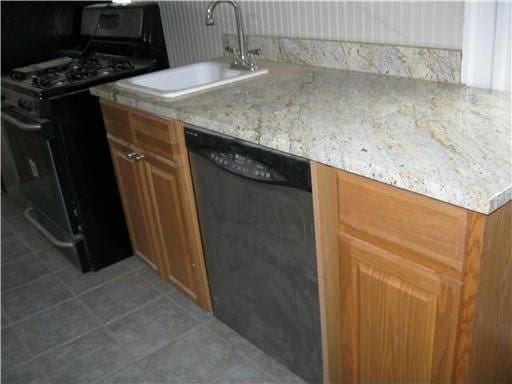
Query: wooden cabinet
[(134, 196), (152, 170), (398, 318), (405, 285)]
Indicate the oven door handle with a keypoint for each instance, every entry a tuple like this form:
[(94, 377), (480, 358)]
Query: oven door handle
[(20, 124), (52, 239)]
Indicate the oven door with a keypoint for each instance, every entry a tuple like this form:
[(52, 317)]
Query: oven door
[(43, 178)]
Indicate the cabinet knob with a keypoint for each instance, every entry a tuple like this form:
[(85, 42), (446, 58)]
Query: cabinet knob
[(135, 156)]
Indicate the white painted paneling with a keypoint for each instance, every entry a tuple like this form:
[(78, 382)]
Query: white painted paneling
[(486, 60), (416, 23)]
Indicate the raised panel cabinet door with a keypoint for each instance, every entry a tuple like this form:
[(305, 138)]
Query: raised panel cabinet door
[(398, 319), (135, 199), (169, 218)]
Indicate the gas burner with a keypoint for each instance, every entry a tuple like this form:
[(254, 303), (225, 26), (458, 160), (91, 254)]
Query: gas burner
[(44, 80), (83, 69), (90, 61), (121, 65)]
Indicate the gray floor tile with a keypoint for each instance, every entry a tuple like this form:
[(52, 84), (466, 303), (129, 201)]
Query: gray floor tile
[(35, 240), (13, 351), (86, 359), (200, 357), (33, 297), (9, 209), (13, 248), (29, 373), (150, 275), (5, 321), (246, 374), (276, 370), (131, 375), (20, 224), (241, 345), (119, 296), (21, 271), (53, 259), (80, 282), (191, 307), (6, 231), (55, 326), (134, 263), (152, 326)]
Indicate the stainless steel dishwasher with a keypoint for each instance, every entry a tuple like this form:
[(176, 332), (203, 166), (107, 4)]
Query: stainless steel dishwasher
[(256, 216)]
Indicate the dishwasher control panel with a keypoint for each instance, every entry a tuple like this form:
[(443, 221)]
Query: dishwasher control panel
[(244, 166)]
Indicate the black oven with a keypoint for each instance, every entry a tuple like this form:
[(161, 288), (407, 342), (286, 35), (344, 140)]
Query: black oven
[(57, 138), (44, 181)]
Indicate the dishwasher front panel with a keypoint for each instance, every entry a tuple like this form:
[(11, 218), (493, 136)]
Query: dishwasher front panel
[(260, 253)]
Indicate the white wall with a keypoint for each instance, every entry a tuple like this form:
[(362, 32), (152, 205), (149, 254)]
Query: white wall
[(414, 23), (487, 45)]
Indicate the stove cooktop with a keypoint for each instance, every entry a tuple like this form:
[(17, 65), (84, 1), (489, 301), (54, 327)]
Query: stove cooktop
[(62, 75)]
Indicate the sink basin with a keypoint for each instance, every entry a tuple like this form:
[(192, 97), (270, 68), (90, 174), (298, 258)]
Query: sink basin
[(187, 79)]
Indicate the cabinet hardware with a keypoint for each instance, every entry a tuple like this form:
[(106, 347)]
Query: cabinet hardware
[(135, 156)]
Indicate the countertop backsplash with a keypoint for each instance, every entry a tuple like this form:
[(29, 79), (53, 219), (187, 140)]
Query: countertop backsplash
[(435, 64)]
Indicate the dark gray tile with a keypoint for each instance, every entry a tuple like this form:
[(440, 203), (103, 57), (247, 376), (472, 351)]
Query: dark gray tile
[(33, 297), (6, 231), (21, 271), (53, 259), (55, 326), (191, 307), (29, 373), (134, 263), (200, 357), (20, 224), (35, 240), (276, 370), (14, 352), (152, 326), (131, 375), (85, 359), (10, 210), (13, 248), (80, 282), (150, 275), (241, 345), (120, 296), (5, 321), (245, 374)]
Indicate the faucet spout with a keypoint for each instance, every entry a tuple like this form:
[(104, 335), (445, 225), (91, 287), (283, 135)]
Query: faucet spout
[(242, 52)]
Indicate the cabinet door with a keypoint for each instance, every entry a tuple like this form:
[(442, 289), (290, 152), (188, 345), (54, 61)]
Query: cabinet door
[(163, 179), (135, 199), (398, 319)]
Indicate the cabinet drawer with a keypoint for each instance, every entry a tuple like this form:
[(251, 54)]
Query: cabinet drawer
[(156, 135), (404, 222), (117, 122)]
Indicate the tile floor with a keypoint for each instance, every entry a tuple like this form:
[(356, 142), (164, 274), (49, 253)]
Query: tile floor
[(119, 325)]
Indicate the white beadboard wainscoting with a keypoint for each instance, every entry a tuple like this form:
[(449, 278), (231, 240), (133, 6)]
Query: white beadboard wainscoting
[(412, 23)]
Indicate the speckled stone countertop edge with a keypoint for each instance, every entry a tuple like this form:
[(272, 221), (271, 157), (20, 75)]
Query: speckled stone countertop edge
[(164, 108)]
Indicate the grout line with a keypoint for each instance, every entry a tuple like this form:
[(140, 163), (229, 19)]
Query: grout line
[(113, 320), (96, 286), (139, 359), (43, 310), (35, 357)]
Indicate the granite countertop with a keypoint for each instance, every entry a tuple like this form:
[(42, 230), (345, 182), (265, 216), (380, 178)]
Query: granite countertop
[(449, 142)]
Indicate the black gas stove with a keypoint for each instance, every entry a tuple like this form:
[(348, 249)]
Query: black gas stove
[(56, 134), (66, 74)]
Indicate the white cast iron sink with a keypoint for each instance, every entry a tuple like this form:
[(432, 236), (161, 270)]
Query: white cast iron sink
[(187, 79)]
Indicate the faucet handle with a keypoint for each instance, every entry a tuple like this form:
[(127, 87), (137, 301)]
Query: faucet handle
[(229, 50), (256, 51)]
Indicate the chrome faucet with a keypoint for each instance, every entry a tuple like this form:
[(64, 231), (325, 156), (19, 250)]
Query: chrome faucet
[(243, 59)]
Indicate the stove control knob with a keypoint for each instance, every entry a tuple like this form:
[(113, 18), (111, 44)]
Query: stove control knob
[(25, 104)]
